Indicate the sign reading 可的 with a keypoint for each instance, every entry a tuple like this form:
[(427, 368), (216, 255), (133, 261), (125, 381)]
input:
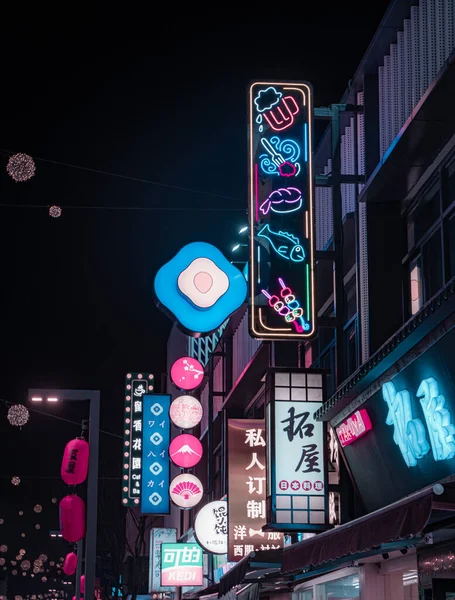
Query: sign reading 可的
[(181, 565), (136, 386), (247, 490), (158, 537), (297, 494), (156, 429), (281, 207)]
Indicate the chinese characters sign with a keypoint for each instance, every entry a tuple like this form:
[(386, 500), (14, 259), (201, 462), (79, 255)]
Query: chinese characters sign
[(136, 386), (296, 452), (181, 565), (354, 427), (247, 490), (157, 538), (155, 457), (281, 206), (210, 527)]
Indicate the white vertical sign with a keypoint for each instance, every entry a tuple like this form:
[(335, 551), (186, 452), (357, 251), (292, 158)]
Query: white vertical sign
[(157, 537)]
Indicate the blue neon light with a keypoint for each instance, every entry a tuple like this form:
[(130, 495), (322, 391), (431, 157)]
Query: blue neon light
[(207, 316), (284, 244), (279, 153), (267, 98), (155, 457), (305, 141), (409, 432)]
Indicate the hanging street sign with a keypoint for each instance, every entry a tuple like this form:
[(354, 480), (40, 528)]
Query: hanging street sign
[(186, 412), (136, 386), (158, 536), (156, 431), (186, 490), (187, 373), (181, 565), (281, 211), (185, 451), (210, 527)]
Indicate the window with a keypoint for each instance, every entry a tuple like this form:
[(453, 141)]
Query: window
[(346, 587), (450, 237), (426, 213), (415, 286), (306, 595), (351, 348), (449, 192), (432, 265)]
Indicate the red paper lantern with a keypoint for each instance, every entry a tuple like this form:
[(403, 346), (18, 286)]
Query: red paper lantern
[(72, 518), (82, 584), (70, 564), (75, 462)]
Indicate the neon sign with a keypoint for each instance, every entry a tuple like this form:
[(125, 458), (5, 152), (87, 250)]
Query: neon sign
[(281, 227), (354, 427), (409, 431)]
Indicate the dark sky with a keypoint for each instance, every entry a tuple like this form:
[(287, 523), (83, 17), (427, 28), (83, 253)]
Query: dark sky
[(168, 106)]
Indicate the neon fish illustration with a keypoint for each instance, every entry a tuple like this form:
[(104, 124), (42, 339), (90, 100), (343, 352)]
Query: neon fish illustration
[(283, 200), (285, 244)]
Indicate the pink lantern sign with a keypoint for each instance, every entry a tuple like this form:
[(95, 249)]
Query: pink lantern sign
[(186, 412), (70, 564), (354, 427), (187, 373), (186, 490), (72, 518), (185, 451)]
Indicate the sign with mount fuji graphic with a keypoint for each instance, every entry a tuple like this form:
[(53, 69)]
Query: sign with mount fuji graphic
[(185, 451)]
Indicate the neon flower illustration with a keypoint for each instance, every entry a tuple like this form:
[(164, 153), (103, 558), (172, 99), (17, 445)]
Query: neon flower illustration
[(283, 200), (279, 112), (281, 158), (200, 288)]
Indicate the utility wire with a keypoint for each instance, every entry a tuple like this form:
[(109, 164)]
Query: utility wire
[(40, 412), (127, 177), (149, 208)]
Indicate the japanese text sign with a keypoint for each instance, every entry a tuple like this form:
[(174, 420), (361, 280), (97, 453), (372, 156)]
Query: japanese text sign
[(181, 565), (155, 457), (247, 491), (136, 386), (281, 207), (159, 536), (354, 427), (296, 451)]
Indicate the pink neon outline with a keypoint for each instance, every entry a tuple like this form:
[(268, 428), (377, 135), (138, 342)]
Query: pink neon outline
[(278, 126), (347, 433), (286, 162), (256, 185)]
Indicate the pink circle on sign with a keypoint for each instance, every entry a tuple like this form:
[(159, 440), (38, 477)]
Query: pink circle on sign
[(185, 451), (186, 412), (318, 486), (203, 282), (187, 373)]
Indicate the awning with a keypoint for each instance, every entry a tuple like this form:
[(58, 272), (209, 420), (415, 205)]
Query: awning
[(406, 519), (251, 568)]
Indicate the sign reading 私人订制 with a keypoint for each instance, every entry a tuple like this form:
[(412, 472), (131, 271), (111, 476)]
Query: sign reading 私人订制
[(247, 490)]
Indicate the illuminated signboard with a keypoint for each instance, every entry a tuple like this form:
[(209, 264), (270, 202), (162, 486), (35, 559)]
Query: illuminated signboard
[(181, 565), (136, 386), (281, 207), (247, 491), (159, 536), (185, 451), (186, 490), (186, 412), (297, 478), (354, 427), (156, 429), (187, 373), (200, 288), (210, 527)]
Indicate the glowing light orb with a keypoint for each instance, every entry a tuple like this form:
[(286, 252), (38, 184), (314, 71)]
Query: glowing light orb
[(55, 212), (25, 565), (3, 548), (21, 167), (38, 508), (37, 526), (18, 415), (16, 480)]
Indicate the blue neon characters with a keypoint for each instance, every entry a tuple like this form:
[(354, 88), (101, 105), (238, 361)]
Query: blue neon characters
[(285, 244), (200, 288), (281, 158), (283, 200), (288, 307), (409, 433)]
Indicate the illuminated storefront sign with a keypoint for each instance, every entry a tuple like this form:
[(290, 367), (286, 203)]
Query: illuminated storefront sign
[(186, 412), (200, 288), (281, 211), (159, 536), (181, 565), (185, 451), (354, 427), (156, 427), (247, 490), (210, 527), (186, 490), (187, 373), (297, 494), (136, 386)]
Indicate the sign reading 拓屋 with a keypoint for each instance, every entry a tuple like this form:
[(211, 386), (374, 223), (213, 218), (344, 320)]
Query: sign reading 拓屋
[(281, 211), (156, 426), (181, 565), (297, 494), (210, 527), (136, 386), (158, 537), (354, 427), (247, 490)]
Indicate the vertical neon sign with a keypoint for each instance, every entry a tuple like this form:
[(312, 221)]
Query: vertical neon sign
[(281, 211)]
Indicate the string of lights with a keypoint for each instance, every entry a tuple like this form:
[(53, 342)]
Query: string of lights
[(131, 208)]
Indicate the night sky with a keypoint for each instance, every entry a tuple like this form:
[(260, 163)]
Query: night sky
[(76, 306)]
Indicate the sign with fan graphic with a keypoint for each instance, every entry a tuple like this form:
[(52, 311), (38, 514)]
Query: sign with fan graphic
[(186, 490), (185, 451)]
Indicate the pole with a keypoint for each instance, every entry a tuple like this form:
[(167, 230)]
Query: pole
[(92, 497), (80, 552)]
